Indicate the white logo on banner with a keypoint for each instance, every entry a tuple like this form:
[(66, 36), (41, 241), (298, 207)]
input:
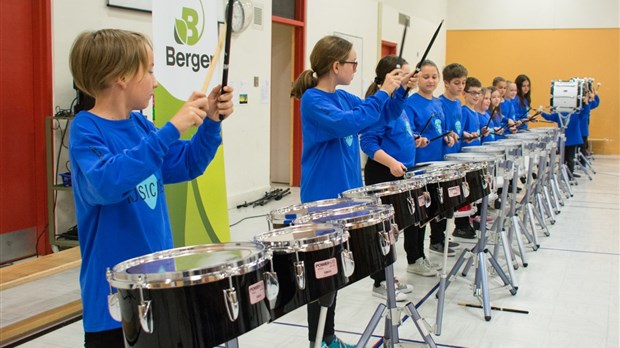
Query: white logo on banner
[(184, 41)]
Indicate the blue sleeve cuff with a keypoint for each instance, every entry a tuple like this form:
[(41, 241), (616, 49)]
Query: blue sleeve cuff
[(169, 134)]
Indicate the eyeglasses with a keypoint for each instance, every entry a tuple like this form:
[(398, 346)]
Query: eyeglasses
[(474, 93), (353, 63)]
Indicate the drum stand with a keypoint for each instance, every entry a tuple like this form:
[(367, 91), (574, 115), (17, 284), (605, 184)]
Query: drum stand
[(528, 208), (392, 318), (584, 168), (516, 226), (530, 213), (562, 167), (234, 343), (325, 301), (482, 254)]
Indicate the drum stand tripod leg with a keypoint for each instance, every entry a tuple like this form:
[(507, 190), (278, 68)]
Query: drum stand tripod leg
[(392, 317), (581, 166), (526, 205), (325, 301), (548, 206), (541, 207), (234, 343), (586, 161)]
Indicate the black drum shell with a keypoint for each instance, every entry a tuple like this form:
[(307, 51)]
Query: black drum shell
[(364, 243), (193, 316), (475, 180), (290, 297), (444, 208), (421, 211), (403, 206)]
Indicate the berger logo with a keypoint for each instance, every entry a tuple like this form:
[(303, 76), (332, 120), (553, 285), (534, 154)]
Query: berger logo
[(186, 30)]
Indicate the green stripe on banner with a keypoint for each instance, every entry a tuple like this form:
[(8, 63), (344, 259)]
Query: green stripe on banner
[(203, 214)]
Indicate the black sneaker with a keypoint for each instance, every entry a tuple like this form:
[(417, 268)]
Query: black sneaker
[(467, 233), (453, 244), (438, 249), (577, 175)]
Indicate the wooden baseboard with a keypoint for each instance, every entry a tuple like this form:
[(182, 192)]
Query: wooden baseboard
[(43, 266), (40, 322)]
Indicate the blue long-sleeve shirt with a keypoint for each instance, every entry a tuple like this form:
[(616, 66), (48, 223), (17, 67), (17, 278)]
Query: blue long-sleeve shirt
[(485, 121), (452, 112), (573, 129), (421, 110), (585, 111), (395, 138), (331, 122), (471, 124), (118, 172), (507, 108), (521, 111)]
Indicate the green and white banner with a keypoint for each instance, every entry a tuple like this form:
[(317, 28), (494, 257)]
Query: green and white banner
[(185, 34)]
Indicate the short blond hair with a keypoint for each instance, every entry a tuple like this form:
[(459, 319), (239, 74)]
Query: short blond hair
[(99, 57)]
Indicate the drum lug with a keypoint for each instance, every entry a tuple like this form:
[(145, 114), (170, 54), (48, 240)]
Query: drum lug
[(440, 191), (348, 263), (114, 306), (465, 189), (427, 199), (232, 303), (146, 316), (273, 287), (300, 274), (411, 202), (384, 241)]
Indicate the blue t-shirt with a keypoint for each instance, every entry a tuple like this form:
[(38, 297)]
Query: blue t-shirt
[(330, 124), (471, 124), (118, 172), (452, 112), (507, 108), (485, 121), (423, 111), (395, 138), (521, 111), (585, 120), (573, 129)]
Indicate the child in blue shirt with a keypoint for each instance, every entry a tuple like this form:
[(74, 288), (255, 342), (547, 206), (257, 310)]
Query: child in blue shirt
[(331, 120), (523, 100), (391, 149), (454, 76), (429, 120), (117, 155)]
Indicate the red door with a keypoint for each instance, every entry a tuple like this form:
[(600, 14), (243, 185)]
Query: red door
[(26, 97)]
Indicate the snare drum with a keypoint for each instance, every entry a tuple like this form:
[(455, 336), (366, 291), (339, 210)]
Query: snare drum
[(283, 217), (372, 235), (397, 193), (196, 296), (514, 152), (444, 183), (477, 178), (567, 95), (310, 261)]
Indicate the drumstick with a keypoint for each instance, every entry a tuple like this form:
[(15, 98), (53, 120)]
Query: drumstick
[(504, 309), (402, 42), (440, 136), (428, 48), (418, 166), (426, 124), (216, 55), (598, 85), (229, 16)]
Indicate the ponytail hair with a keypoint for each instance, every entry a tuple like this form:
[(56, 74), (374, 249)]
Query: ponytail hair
[(384, 67), (326, 52)]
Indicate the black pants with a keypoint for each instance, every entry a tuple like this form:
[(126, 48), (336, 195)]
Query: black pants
[(438, 231), (374, 173), (462, 223), (105, 339), (314, 310), (569, 157)]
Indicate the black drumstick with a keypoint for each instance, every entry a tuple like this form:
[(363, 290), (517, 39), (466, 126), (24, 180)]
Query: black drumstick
[(229, 16), (427, 123), (440, 136), (487, 126), (428, 48), (402, 42), (418, 166)]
